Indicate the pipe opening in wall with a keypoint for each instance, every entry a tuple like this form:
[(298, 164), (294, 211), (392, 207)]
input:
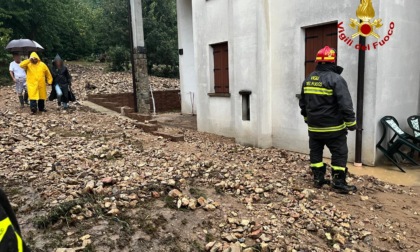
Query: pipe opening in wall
[(246, 103)]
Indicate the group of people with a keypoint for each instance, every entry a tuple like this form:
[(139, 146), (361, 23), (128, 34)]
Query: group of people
[(31, 77)]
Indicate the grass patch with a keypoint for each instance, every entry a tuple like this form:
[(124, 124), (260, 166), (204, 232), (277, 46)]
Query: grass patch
[(196, 246), (62, 211), (197, 193), (152, 226), (210, 237)]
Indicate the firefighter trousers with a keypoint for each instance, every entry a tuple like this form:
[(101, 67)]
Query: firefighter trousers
[(336, 145)]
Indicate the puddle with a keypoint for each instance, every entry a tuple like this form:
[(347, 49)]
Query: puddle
[(390, 174)]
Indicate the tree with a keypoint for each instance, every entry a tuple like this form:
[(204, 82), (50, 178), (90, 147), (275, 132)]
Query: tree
[(77, 29), (161, 36)]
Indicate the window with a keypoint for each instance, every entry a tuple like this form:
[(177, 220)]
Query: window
[(316, 38), (221, 68), (246, 103)]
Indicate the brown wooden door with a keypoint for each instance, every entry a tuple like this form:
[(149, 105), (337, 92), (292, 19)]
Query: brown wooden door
[(221, 68), (316, 38)]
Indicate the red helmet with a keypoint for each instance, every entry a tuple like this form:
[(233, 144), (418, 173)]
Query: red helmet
[(326, 54)]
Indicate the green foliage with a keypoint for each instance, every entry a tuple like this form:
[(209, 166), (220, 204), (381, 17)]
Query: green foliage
[(161, 37), (119, 58), (4, 56), (89, 29)]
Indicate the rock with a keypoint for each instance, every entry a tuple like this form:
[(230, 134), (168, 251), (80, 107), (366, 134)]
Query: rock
[(336, 248), (68, 249), (218, 246), (114, 211), (256, 234), (86, 242), (171, 182), (235, 247), (155, 195), (185, 202), (308, 193), (192, 204), (265, 238), (340, 239), (328, 236), (108, 181), (229, 237), (364, 198), (89, 186), (175, 193), (209, 207), (311, 227), (259, 190), (202, 201), (210, 245), (245, 223), (264, 247)]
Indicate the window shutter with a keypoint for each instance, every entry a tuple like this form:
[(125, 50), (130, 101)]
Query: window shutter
[(221, 68)]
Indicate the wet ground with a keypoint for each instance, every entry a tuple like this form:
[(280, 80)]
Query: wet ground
[(390, 174), (386, 173)]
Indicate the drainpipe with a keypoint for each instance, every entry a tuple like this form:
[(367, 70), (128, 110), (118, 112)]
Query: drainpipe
[(153, 98), (360, 101), (133, 70)]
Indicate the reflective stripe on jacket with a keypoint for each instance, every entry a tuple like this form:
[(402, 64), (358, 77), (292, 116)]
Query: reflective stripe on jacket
[(10, 240), (326, 103)]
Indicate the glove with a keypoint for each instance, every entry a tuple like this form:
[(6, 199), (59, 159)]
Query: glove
[(352, 128)]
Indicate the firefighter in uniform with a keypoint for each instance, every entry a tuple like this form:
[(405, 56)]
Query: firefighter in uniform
[(327, 108), (10, 236)]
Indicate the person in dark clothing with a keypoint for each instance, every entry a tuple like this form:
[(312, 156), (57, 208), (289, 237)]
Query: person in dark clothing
[(10, 235), (61, 82), (327, 108)]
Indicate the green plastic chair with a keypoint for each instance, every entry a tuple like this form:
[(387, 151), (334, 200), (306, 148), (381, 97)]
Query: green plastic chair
[(414, 123), (398, 140)]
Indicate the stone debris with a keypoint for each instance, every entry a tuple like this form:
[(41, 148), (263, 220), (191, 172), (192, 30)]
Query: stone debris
[(94, 79), (113, 181)]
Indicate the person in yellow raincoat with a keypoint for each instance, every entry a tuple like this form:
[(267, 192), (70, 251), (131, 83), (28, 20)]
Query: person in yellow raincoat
[(37, 77)]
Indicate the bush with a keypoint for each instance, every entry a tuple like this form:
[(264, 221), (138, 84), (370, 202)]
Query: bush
[(165, 71), (119, 58)]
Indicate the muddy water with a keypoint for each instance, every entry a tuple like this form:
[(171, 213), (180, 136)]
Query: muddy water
[(390, 174)]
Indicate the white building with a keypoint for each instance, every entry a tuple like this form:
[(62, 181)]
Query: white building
[(234, 52)]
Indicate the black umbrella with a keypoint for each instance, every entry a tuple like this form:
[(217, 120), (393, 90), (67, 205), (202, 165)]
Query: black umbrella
[(24, 46)]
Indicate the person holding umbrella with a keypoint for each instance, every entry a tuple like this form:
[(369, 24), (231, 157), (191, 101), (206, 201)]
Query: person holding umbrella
[(37, 73), (18, 75)]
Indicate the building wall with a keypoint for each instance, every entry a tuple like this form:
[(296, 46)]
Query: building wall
[(219, 21), (266, 53), (187, 70), (288, 52), (391, 82), (397, 79)]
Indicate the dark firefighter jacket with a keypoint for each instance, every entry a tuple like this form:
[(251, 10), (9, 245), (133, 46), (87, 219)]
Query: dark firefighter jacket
[(326, 103), (10, 236)]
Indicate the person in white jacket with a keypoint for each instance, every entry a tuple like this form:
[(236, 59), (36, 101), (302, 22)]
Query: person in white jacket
[(18, 75)]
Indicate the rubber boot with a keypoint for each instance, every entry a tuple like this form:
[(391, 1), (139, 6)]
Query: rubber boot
[(33, 106), (319, 176), (26, 98), (339, 183), (21, 101)]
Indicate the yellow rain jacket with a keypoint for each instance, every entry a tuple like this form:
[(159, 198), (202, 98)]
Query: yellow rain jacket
[(37, 75)]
